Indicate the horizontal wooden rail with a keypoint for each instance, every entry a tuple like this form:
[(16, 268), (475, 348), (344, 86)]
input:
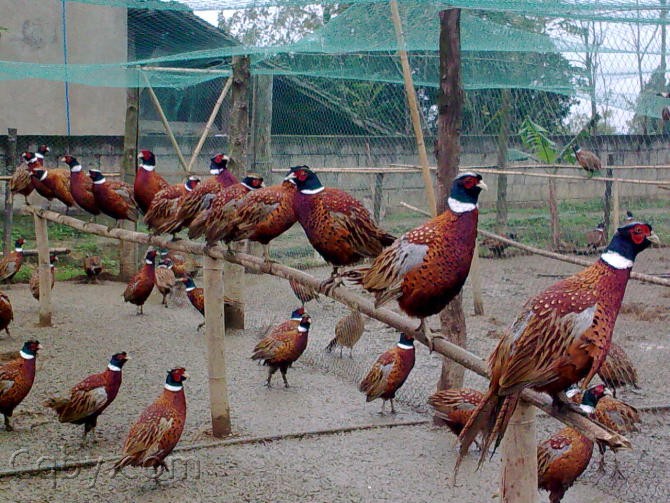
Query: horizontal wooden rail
[(547, 166), (347, 297), (52, 251), (647, 278)]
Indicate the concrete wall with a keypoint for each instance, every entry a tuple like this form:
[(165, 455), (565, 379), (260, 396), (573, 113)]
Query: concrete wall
[(106, 152), (95, 34)]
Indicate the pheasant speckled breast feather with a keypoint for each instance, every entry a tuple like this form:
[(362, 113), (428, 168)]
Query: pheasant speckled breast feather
[(166, 203), (560, 337)]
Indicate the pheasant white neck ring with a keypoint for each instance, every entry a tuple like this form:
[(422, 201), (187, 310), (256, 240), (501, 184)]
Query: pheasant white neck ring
[(615, 260), (76, 169), (405, 346), (18, 250), (214, 171), (100, 182), (113, 368), (44, 176), (302, 330), (172, 387), (460, 207), (147, 167), (26, 356), (312, 191)]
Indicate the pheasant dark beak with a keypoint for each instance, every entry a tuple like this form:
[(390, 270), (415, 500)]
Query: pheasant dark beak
[(653, 238), (482, 186)]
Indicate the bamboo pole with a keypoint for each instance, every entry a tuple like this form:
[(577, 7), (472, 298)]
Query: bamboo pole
[(52, 251), (518, 477), (647, 278), (349, 298), (210, 122), (166, 124), (546, 166), (44, 265), (215, 335), (413, 108)]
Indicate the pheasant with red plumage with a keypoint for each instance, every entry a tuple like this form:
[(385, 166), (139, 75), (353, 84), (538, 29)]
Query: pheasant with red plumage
[(114, 199), (11, 263), (90, 397), (16, 380), (81, 186), (560, 337), (147, 182), (142, 283)]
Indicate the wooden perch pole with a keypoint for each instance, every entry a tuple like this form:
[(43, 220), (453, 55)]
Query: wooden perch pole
[(215, 335), (210, 122), (10, 167), (44, 265), (413, 108), (349, 298), (166, 124)]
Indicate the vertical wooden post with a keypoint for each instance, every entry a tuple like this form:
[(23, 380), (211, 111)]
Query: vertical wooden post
[(503, 139), (607, 201), (377, 197), (237, 150), (44, 267), (554, 222), (518, 477), (476, 282), (215, 335), (616, 208), (10, 163), (414, 108), (448, 149), (128, 250)]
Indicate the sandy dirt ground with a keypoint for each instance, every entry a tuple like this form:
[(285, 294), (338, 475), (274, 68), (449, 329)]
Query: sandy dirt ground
[(401, 463)]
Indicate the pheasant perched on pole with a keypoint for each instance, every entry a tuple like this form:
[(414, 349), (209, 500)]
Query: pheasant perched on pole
[(158, 429), (81, 186), (57, 181), (115, 199), (587, 160), (165, 204), (147, 182), (16, 380), (560, 337), (389, 372), (90, 397), (21, 181), (427, 266), (337, 225)]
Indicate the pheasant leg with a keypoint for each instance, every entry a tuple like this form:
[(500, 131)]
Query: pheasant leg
[(8, 427), (283, 376)]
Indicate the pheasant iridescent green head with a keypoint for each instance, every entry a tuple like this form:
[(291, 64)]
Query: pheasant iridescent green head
[(291, 171), (306, 180), (70, 161), (298, 313), (253, 181), (305, 323), (175, 378), (466, 188), (118, 360), (30, 349), (150, 256), (218, 163), (147, 157), (191, 183), (627, 242), (591, 397)]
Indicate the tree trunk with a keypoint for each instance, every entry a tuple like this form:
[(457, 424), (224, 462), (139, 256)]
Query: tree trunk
[(503, 139), (128, 251), (447, 151)]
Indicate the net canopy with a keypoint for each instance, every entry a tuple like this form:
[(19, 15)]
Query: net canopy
[(609, 51)]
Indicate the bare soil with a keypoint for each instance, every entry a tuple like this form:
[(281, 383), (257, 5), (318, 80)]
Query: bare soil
[(403, 463)]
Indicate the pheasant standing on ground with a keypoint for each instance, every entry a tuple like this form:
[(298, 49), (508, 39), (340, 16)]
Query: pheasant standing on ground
[(81, 186), (6, 313), (560, 337), (165, 279), (194, 202), (348, 332), (618, 370), (596, 238), (197, 297), (147, 182), (455, 406), (165, 205), (158, 429), (90, 397), (262, 215), (11, 263), (426, 267), (114, 199), (282, 348), (16, 380), (211, 222), (337, 225), (587, 160), (497, 248), (389, 372), (92, 267), (561, 459), (142, 283), (34, 282)]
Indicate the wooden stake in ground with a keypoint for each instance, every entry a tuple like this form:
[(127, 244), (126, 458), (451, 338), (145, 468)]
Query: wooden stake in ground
[(44, 264), (128, 250), (518, 477), (10, 163), (215, 336)]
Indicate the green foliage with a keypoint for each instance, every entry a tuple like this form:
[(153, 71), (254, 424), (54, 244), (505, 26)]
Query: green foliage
[(536, 138)]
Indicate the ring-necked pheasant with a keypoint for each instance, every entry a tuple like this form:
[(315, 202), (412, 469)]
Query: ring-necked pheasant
[(92, 267), (142, 283), (426, 267), (16, 380), (194, 202), (21, 181), (115, 198), (389, 372), (158, 429), (197, 297), (81, 186), (282, 348), (6, 313), (560, 337), (57, 181), (90, 397), (147, 182), (337, 225), (212, 221), (165, 204), (11, 263), (34, 283), (455, 406)]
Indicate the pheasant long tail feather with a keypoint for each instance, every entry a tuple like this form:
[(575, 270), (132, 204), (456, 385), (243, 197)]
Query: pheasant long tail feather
[(57, 404), (331, 345)]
